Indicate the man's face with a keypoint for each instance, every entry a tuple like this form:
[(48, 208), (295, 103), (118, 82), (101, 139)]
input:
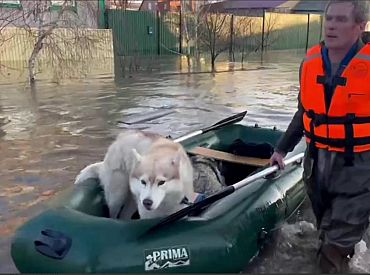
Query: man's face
[(341, 30)]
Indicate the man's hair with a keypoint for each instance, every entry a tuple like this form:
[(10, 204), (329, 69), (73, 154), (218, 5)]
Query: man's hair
[(360, 9)]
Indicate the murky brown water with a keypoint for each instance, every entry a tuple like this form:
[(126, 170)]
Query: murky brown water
[(49, 133)]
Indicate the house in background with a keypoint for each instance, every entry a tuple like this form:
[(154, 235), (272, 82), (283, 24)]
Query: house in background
[(318, 7), (22, 13), (308, 6), (257, 7), (175, 5), (250, 7), (90, 13), (154, 5), (123, 4)]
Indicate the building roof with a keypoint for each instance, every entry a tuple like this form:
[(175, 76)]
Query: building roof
[(129, 5), (309, 6), (254, 6)]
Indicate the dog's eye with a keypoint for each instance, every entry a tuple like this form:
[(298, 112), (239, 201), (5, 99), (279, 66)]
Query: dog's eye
[(161, 182), (143, 182)]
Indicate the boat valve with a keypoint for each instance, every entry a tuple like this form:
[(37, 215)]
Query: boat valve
[(53, 244)]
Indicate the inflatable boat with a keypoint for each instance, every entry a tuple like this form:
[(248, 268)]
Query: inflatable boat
[(222, 233)]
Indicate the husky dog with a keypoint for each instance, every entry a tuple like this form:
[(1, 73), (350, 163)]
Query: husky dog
[(145, 172), (162, 179)]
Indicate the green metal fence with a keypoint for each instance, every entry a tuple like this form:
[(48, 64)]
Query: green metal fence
[(144, 32)]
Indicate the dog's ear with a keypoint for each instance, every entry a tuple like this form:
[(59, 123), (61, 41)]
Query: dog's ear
[(177, 158), (137, 156)]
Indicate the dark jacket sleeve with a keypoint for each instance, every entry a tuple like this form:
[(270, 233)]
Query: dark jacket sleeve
[(294, 132)]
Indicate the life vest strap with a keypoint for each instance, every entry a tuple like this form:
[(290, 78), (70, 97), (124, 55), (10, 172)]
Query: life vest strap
[(337, 80), (312, 147), (320, 119), (339, 142), (349, 154)]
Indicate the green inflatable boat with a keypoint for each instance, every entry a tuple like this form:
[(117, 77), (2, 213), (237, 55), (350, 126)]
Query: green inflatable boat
[(220, 234)]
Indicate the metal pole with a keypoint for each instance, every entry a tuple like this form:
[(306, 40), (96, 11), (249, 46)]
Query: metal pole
[(263, 34), (294, 159), (321, 20), (158, 32), (180, 26), (102, 15), (308, 30), (231, 55)]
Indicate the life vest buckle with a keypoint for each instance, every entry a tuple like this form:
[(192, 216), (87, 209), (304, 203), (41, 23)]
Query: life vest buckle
[(322, 79), (350, 118), (339, 80), (320, 119)]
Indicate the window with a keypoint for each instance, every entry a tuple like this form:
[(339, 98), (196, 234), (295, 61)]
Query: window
[(10, 3), (57, 4), (61, 2), (16, 2)]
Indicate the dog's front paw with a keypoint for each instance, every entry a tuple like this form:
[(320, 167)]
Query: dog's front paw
[(82, 176), (78, 178), (90, 171)]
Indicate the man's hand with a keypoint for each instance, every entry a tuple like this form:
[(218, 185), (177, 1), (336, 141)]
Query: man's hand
[(278, 158)]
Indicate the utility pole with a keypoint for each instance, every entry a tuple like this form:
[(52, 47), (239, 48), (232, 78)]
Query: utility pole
[(180, 26), (263, 34), (308, 30)]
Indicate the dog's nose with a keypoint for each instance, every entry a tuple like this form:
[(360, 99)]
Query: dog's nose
[(147, 203)]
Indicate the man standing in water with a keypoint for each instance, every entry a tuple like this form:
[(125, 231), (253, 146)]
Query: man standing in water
[(334, 116)]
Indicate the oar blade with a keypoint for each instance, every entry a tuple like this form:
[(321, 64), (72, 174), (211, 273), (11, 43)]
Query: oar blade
[(217, 125), (140, 118), (234, 118), (229, 120)]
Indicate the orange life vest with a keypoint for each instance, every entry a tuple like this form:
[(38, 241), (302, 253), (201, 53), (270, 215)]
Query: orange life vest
[(345, 125)]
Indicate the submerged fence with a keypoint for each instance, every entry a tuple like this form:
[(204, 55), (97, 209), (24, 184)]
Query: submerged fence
[(17, 44), (65, 52), (146, 33), (142, 33)]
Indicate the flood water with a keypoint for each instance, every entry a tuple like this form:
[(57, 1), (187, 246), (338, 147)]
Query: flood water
[(49, 133)]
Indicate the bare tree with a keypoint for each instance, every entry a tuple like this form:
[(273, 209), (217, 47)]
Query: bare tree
[(271, 24), (57, 31), (7, 19), (120, 4), (191, 22), (214, 35), (186, 23), (245, 31), (44, 30), (192, 18)]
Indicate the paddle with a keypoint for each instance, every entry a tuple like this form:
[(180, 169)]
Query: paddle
[(221, 123), (227, 191), (134, 119)]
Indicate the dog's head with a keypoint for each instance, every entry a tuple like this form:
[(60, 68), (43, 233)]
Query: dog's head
[(156, 180)]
